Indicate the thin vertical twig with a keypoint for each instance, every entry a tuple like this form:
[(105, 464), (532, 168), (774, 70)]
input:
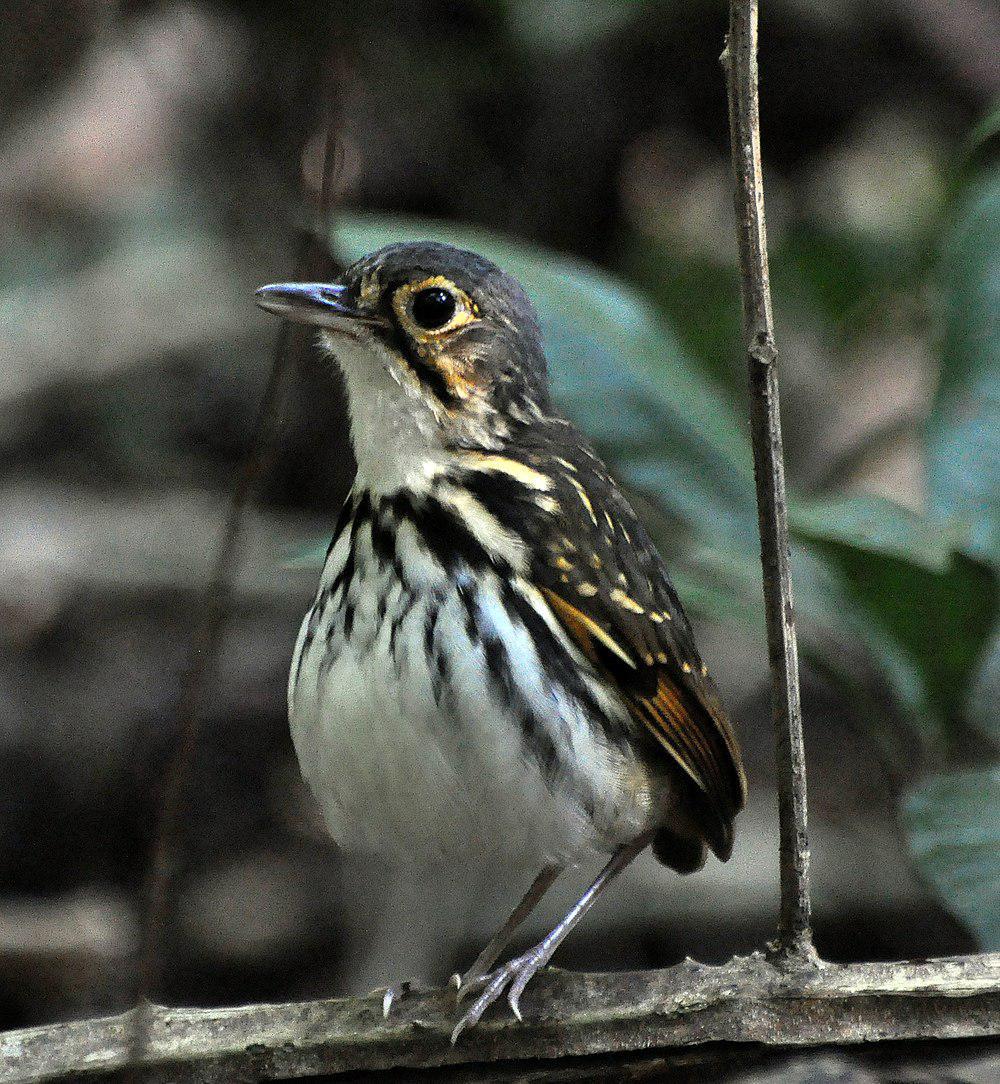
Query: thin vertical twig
[(739, 60), (206, 643), (202, 658)]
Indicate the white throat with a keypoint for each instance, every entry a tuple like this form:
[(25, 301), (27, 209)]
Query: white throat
[(396, 439)]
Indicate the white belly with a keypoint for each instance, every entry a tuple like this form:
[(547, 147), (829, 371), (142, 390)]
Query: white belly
[(418, 766)]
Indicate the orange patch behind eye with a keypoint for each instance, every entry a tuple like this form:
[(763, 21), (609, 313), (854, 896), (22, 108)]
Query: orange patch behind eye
[(459, 375), (460, 380)]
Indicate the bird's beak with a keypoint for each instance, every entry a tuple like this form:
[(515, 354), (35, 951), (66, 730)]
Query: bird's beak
[(320, 303)]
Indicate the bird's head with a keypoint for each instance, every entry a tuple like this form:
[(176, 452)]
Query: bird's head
[(440, 350)]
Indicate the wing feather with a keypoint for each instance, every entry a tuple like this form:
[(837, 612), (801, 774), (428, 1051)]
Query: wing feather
[(606, 585), (679, 710)]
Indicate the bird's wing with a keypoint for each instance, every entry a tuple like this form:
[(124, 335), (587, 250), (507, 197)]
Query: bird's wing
[(606, 584), (677, 706)]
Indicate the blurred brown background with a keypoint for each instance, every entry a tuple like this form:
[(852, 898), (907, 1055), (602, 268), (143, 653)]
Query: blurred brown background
[(154, 157)]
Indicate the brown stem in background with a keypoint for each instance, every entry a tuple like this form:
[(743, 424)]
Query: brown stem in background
[(740, 62), (207, 640)]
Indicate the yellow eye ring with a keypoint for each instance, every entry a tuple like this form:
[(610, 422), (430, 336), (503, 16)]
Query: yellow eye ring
[(432, 308)]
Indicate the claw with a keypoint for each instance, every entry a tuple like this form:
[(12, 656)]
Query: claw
[(465, 984), (524, 976), (393, 994), (494, 988), (521, 970)]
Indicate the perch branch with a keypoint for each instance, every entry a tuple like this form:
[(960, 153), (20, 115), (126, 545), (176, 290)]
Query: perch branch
[(748, 1000), (740, 62)]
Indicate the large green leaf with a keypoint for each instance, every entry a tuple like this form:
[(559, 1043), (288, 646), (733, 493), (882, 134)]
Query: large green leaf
[(952, 824), (963, 432), (879, 526), (838, 635), (937, 620), (940, 616), (987, 131)]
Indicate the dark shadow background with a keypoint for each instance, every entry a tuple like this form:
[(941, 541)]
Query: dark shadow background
[(152, 160)]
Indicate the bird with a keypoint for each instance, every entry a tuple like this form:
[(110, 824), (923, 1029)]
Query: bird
[(496, 660)]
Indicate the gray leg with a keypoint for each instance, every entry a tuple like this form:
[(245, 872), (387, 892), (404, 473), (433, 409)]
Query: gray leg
[(477, 973), (518, 972)]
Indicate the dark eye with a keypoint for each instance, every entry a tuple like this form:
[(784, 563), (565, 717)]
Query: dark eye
[(432, 307)]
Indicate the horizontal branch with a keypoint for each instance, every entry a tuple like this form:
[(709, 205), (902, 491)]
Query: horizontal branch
[(746, 1000)]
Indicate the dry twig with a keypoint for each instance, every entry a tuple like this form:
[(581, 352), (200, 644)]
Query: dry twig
[(740, 62), (208, 637)]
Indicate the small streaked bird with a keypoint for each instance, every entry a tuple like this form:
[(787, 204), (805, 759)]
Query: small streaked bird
[(495, 661)]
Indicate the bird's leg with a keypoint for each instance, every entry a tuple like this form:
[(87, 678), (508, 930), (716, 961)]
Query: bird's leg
[(517, 973), (478, 972)]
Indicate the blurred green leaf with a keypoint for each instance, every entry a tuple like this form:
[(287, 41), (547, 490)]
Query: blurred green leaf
[(558, 26), (940, 620), (983, 707), (881, 526), (700, 298), (963, 431), (809, 273), (310, 554), (984, 132), (952, 824), (841, 637)]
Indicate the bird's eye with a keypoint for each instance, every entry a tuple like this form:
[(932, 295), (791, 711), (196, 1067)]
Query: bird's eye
[(432, 307)]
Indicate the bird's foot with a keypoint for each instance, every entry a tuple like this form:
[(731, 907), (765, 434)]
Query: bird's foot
[(515, 974)]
